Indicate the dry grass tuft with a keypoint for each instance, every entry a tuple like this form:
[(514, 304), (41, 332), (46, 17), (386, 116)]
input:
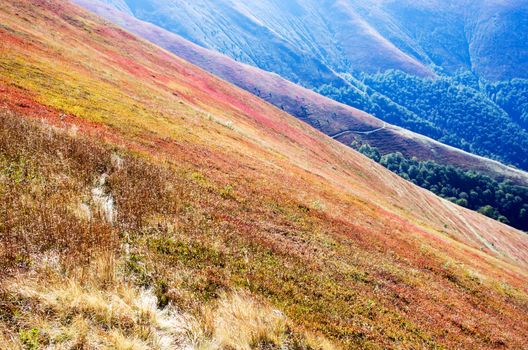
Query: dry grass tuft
[(75, 313), (119, 341), (9, 342), (241, 323)]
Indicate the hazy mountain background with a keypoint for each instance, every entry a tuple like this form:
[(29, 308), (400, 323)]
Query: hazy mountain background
[(451, 70), (486, 37)]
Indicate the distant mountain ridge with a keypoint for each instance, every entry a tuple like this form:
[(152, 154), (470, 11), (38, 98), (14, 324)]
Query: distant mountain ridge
[(121, 5), (486, 37)]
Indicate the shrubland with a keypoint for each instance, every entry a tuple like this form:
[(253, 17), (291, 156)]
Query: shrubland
[(146, 277), (146, 202)]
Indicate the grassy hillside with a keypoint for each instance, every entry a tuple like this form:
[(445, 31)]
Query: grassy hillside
[(329, 46), (460, 112), (148, 204), (329, 116)]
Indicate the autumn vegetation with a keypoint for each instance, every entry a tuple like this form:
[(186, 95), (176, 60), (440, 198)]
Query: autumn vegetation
[(72, 278), (147, 204)]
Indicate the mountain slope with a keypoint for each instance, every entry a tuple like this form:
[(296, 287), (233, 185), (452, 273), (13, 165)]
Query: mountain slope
[(485, 37), (469, 44), (197, 189), (330, 117)]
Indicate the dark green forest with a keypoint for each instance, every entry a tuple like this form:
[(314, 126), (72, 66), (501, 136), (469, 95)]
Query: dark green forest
[(488, 119), (502, 201)]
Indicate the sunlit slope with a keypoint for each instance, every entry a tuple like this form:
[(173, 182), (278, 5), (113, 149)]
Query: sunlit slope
[(59, 63), (331, 117)]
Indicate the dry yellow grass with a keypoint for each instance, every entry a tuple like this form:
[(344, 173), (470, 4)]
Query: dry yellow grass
[(9, 342), (240, 323), (95, 308), (88, 310)]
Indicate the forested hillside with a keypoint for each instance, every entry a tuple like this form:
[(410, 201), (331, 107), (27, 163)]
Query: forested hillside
[(502, 201), (488, 119)]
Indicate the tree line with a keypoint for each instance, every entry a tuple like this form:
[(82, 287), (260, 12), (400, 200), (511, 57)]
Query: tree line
[(501, 200), (488, 119)]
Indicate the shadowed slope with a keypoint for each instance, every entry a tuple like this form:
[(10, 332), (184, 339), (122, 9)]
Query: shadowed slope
[(321, 37), (485, 37), (253, 195)]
